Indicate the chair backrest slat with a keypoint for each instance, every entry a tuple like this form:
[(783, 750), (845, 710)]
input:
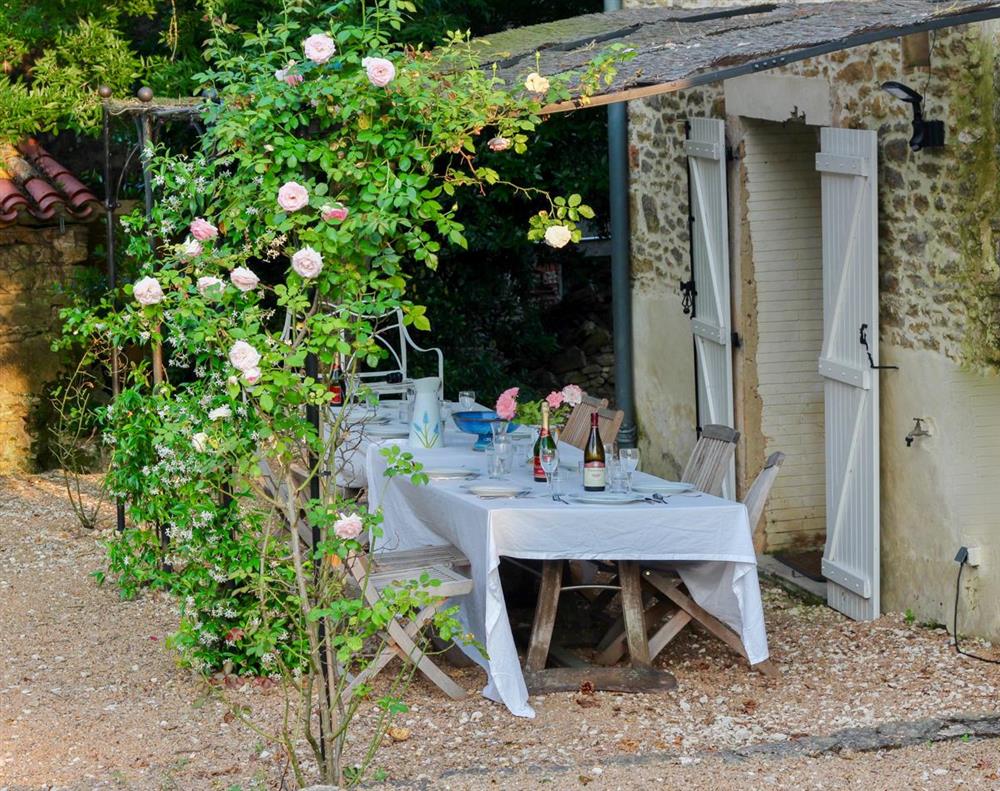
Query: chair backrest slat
[(756, 496), (706, 469), (577, 427)]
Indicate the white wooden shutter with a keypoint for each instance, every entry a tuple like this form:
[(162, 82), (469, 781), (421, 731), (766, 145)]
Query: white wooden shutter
[(706, 153), (847, 161)]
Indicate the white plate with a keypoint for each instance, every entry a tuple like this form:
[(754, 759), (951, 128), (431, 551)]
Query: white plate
[(389, 432), (449, 473), (494, 490), (662, 487), (604, 498)]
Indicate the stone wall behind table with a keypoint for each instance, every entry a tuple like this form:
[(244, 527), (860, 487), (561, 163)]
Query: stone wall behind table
[(33, 261)]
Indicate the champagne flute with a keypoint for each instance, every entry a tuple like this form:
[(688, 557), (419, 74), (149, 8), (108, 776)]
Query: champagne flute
[(467, 399), (629, 459), (548, 457)]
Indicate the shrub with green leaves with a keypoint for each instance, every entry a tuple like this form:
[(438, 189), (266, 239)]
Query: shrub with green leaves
[(330, 162)]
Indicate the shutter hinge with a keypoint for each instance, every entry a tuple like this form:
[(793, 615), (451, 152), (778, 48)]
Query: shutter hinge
[(736, 340), (871, 361), (688, 293)]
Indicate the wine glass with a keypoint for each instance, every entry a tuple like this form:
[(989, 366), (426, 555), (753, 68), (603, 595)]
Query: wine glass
[(548, 458), (467, 399), (629, 459)]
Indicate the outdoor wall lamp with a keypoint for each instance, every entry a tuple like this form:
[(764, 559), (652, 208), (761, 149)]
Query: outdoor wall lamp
[(926, 134)]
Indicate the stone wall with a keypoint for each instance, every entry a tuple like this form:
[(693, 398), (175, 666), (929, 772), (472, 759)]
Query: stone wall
[(34, 262), (938, 253)]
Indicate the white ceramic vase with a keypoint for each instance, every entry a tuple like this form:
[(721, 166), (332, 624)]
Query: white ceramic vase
[(425, 427)]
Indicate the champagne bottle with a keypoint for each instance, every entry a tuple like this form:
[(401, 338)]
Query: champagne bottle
[(337, 384), (594, 469), (544, 440)]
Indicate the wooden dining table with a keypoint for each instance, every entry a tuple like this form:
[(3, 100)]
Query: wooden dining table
[(706, 539)]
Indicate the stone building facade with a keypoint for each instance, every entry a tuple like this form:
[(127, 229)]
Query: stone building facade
[(37, 266), (938, 272)]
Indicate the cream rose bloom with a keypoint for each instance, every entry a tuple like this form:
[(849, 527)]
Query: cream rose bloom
[(202, 230), (191, 249), (200, 441), (220, 412), (244, 357), (349, 526), (147, 291), (536, 83), (379, 70), (244, 279), (319, 48), (292, 196), (307, 262), (207, 284), (558, 236), (252, 375)]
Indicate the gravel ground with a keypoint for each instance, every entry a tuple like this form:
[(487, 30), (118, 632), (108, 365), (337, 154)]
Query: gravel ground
[(91, 698)]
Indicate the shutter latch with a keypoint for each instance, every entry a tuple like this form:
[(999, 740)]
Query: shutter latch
[(688, 293), (871, 361)]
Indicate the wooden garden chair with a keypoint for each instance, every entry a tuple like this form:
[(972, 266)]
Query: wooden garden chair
[(709, 462), (373, 572), (667, 587), (577, 428)]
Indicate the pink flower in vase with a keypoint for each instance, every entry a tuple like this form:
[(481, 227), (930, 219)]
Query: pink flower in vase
[(554, 399), (506, 407)]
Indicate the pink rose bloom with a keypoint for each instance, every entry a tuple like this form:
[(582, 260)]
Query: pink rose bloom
[(244, 279), (147, 291), (319, 48), (380, 71), (572, 395), (191, 249), (285, 76), (244, 357), (554, 399), (349, 527), (337, 211), (307, 262), (292, 196), (209, 284), (203, 230), (499, 144), (252, 375), (506, 407)]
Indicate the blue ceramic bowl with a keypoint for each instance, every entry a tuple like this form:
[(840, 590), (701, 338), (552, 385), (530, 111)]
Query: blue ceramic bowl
[(480, 423)]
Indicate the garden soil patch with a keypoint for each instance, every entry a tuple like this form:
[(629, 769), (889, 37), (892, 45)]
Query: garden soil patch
[(91, 697)]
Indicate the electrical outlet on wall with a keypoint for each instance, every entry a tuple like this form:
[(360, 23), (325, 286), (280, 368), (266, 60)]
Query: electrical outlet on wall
[(975, 556)]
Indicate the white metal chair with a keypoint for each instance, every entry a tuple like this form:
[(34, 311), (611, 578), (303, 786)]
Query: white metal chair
[(709, 462), (667, 587), (391, 333)]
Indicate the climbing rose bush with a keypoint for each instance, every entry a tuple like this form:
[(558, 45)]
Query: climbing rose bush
[(330, 167)]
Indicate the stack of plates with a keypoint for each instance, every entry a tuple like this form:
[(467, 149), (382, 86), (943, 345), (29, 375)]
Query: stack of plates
[(662, 487), (450, 474), (605, 498), (496, 490)]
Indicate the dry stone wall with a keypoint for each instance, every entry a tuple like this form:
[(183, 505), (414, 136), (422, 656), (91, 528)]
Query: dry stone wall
[(34, 263)]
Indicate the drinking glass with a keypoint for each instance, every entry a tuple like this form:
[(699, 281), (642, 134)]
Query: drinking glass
[(498, 428), (629, 458), (549, 459), (467, 399), (556, 479), (617, 480), (494, 462), (503, 446)]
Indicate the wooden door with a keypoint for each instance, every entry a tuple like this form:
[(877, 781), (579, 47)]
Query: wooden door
[(711, 323), (848, 164)]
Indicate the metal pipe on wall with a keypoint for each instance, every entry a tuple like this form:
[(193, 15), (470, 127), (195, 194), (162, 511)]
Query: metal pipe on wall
[(621, 268)]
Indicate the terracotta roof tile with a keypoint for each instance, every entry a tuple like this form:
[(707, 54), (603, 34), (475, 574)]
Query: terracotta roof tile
[(33, 186)]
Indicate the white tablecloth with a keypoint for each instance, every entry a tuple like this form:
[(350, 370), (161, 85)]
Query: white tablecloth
[(710, 533)]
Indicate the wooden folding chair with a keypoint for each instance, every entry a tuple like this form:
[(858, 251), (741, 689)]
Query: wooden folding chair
[(373, 574), (577, 428), (668, 589), (709, 462)]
